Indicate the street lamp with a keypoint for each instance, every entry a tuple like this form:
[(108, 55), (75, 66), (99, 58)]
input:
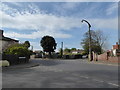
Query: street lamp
[(90, 51)]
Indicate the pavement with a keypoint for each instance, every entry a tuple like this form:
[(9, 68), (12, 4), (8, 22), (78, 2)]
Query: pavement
[(60, 74), (106, 63)]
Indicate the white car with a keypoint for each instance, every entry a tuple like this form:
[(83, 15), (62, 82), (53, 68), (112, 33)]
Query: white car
[(85, 56)]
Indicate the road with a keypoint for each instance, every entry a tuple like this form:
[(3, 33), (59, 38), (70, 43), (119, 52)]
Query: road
[(61, 74)]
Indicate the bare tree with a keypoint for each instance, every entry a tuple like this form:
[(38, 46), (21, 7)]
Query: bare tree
[(98, 40)]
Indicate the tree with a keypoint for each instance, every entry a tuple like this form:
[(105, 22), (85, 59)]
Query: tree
[(97, 41), (67, 50), (73, 49), (100, 38), (27, 44), (48, 44)]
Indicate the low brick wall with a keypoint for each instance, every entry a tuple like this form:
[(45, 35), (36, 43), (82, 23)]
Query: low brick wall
[(105, 57), (114, 59)]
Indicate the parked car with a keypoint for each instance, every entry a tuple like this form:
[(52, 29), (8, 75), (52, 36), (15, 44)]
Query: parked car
[(38, 55), (85, 56)]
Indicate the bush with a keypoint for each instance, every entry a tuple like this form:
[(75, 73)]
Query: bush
[(13, 53), (17, 49)]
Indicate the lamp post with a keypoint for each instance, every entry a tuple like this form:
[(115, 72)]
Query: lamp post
[(90, 51)]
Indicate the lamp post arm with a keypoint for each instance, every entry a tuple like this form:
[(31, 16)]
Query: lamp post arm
[(86, 22)]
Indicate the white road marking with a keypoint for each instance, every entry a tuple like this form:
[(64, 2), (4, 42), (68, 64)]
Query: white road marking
[(113, 84), (100, 81)]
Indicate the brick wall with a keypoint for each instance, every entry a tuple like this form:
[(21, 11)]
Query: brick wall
[(105, 57), (114, 59)]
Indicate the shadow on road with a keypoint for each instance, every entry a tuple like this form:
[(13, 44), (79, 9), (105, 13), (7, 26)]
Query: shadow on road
[(47, 62)]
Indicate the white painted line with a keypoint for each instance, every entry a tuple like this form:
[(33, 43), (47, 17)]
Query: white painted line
[(106, 82), (99, 81), (113, 84)]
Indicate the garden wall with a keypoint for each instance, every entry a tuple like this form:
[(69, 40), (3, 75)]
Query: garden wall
[(15, 59), (105, 57)]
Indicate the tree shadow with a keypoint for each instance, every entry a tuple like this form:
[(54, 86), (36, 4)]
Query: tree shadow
[(47, 62)]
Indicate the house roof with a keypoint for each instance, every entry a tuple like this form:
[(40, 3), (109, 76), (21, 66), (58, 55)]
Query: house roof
[(9, 39), (6, 38)]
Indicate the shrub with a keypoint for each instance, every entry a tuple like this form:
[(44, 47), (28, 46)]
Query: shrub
[(17, 49)]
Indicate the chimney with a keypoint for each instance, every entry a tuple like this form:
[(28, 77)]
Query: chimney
[(1, 34), (116, 43)]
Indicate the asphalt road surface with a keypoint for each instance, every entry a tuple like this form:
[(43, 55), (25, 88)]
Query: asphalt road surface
[(61, 74)]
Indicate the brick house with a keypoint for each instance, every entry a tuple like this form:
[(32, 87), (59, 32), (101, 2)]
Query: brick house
[(112, 55), (115, 51), (5, 41)]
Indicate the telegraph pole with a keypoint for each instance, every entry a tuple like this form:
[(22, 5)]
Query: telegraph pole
[(61, 49)]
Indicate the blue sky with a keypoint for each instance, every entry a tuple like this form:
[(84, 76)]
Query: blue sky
[(62, 20)]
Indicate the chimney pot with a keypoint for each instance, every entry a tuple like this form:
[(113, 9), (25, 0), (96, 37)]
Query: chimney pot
[(116, 43), (1, 32)]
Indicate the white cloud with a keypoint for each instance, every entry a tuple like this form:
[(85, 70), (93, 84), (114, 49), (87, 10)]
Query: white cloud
[(105, 23), (38, 21), (36, 45), (16, 4), (47, 24), (37, 34), (41, 23), (66, 6), (112, 8), (44, 24), (60, 0)]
